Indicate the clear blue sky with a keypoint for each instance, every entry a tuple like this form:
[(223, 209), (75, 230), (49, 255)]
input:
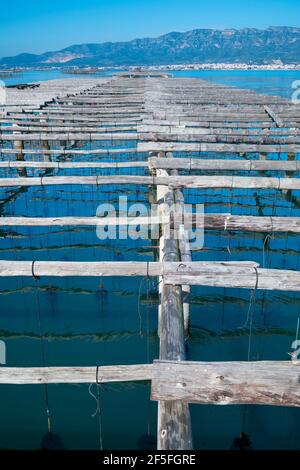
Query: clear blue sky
[(42, 25)]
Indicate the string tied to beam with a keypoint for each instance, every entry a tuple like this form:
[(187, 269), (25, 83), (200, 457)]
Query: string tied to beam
[(97, 412), (147, 278), (35, 277), (270, 236), (243, 442)]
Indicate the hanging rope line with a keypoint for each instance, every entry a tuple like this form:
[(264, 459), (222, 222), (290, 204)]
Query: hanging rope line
[(42, 347), (249, 316), (98, 411), (243, 442)]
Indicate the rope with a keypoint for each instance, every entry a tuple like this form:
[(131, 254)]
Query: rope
[(297, 331), (250, 316), (148, 351), (98, 408), (251, 303), (270, 236), (35, 277), (147, 278), (42, 349)]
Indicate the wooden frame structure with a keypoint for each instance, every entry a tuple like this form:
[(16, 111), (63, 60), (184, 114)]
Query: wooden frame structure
[(166, 115)]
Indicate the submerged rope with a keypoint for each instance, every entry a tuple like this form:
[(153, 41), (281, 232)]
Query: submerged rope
[(249, 318), (98, 407), (148, 281), (42, 348)]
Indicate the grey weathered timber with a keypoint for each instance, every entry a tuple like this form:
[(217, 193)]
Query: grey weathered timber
[(217, 164), (215, 147), (224, 275), (274, 116), (45, 127), (71, 136), (172, 181), (225, 221), (185, 254), (245, 275), (225, 383), (247, 223), (65, 165), (81, 221), (37, 151), (56, 375), (174, 421), (195, 130), (221, 138)]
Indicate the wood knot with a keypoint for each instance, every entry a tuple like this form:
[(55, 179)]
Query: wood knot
[(181, 384)]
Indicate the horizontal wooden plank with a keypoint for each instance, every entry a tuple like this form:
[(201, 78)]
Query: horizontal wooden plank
[(67, 165), (170, 181), (87, 136), (274, 116), (244, 275), (59, 375), (66, 151), (210, 221), (226, 383), (247, 223), (191, 129), (101, 268), (241, 277), (81, 221), (215, 147), (217, 164)]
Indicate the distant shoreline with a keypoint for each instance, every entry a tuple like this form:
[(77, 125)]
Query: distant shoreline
[(169, 67), (222, 66)]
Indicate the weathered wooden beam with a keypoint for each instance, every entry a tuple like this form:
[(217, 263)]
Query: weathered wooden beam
[(215, 147), (226, 383), (195, 130), (223, 275), (172, 181), (52, 128), (65, 165), (58, 375), (71, 136), (217, 164), (274, 116), (81, 221), (226, 139), (37, 151), (261, 126), (245, 223)]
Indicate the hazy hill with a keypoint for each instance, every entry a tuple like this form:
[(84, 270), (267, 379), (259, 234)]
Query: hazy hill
[(200, 45)]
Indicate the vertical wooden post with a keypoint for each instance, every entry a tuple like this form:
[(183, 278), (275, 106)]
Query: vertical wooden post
[(46, 146), (174, 430), (19, 147), (184, 250), (185, 255)]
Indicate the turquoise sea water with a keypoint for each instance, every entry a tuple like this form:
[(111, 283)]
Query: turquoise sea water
[(114, 320), (277, 82)]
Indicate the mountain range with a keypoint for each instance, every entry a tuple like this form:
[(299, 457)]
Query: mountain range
[(247, 45)]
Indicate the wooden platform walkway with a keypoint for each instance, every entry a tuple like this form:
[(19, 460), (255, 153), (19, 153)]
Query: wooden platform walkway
[(167, 125)]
